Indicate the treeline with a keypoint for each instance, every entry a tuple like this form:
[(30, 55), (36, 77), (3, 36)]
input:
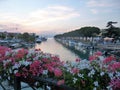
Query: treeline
[(27, 37), (111, 31), (83, 32)]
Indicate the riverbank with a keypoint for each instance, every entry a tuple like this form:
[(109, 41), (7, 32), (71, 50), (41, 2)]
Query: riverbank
[(86, 46)]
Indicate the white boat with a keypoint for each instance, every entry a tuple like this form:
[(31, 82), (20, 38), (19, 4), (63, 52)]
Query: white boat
[(38, 40), (15, 45)]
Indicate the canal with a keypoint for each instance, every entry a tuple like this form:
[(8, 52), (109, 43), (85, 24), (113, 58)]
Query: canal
[(65, 53)]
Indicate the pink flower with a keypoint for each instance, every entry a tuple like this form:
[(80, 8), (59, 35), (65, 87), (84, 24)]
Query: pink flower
[(18, 74), (53, 64), (115, 83), (77, 60), (109, 59), (55, 58), (75, 70), (12, 60), (50, 69), (60, 82), (115, 66), (45, 60), (91, 58), (3, 50), (24, 69), (58, 72), (98, 53), (38, 49), (35, 68)]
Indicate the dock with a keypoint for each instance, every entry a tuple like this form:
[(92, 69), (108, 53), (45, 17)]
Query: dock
[(109, 46)]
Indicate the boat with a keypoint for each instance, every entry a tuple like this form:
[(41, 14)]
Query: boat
[(38, 40), (43, 39), (15, 45)]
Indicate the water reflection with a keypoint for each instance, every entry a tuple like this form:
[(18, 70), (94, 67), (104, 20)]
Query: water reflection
[(53, 47), (65, 53)]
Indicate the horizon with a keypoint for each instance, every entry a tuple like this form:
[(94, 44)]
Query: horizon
[(54, 16)]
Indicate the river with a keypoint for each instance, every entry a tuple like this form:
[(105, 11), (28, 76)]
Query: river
[(65, 54)]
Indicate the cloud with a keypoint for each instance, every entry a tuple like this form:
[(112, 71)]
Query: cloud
[(94, 3), (10, 18), (52, 13), (94, 11), (40, 17), (103, 6), (103, 3)]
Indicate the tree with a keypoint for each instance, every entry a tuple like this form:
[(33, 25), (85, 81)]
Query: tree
[(112, 31), (89, 31), (27, 37), (82, 32), (2, 36), (109, 24)]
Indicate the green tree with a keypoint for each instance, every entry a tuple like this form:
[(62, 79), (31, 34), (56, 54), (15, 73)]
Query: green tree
[(112, 31), (2, 36), (89, 31), (84, 32), (28, 37)]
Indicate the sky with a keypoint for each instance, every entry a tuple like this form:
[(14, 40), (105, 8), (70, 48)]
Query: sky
[(56, 16)]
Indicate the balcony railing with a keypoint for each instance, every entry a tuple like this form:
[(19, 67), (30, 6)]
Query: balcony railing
[(45, 82)]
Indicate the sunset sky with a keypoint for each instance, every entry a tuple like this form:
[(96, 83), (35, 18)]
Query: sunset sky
[(56, 16)]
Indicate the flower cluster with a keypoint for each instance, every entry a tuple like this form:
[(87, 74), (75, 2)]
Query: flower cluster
[(28, 63), (97, 73)]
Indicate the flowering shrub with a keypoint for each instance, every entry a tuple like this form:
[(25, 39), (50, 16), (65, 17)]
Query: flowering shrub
[(97, 73)]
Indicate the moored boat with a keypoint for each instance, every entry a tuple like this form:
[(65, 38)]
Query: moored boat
[(38, 40), (15, 45)]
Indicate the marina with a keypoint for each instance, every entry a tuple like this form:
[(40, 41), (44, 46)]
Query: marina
[(91, 48), (59, 45), (53, 50), (66, 49)]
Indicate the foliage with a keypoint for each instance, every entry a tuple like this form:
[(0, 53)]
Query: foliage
[(112, 31), (84, 31), (97, 73), (28, 37), (2, 35), (89, 31)]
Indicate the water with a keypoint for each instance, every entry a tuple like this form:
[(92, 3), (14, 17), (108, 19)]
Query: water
[(53, 47), (65, 54)]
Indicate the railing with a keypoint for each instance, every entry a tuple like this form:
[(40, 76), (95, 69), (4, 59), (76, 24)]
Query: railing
[(45, 82), (52, 83), (2, 86), (4, 77)]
